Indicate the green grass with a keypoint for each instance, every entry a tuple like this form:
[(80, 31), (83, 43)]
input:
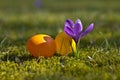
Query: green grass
[(99, 57)]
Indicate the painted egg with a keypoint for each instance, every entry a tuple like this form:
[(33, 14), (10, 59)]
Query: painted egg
[(41, 45), (64, 44)]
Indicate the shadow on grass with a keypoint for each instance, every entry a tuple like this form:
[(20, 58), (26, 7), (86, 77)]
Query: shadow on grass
[(16, 58)]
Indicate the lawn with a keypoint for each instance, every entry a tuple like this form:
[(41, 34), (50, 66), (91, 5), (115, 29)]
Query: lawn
[(99, 57)]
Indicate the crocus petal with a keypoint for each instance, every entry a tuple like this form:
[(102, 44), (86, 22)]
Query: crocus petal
[(89, 29), (69, 23), (77, 28), (78, 21), (69, 31)]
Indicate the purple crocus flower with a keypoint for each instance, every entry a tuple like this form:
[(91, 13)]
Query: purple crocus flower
[(75, 29), (38, 3)]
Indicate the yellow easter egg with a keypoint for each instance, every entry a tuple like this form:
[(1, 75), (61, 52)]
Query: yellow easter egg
[(64, 44), (41, 45)]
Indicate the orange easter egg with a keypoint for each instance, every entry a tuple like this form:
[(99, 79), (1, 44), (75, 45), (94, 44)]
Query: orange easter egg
[(41, 45), (64, 44)]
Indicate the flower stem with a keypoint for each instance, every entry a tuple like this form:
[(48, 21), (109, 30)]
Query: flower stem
[(77, 52)]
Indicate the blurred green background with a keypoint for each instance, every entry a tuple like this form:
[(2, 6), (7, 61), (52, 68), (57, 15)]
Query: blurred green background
[(60, 5), (20, 19)]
